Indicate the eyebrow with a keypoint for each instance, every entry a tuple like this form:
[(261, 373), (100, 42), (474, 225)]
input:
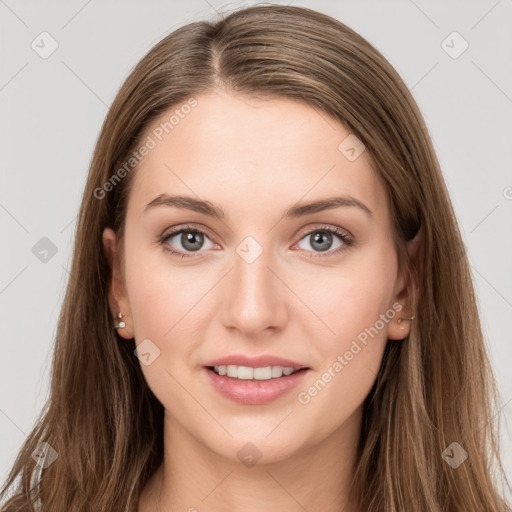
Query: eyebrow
[(298, 210)]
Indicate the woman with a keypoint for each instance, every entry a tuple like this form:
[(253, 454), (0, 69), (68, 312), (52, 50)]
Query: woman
[(269, 299)]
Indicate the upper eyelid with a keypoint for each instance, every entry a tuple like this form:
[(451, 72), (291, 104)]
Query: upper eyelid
[(175, 231), (332, 229)]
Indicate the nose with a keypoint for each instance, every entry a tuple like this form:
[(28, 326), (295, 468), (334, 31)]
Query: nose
[(254, 296)]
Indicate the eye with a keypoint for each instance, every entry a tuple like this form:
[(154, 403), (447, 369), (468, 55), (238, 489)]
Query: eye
[(190, 239), (184, 241), (321, 240)]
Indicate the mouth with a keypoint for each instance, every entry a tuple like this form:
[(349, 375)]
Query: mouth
[(258, 385), (264, 373)]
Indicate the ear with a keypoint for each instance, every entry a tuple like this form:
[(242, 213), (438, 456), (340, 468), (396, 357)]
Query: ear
[(117, 296), (400, 325)]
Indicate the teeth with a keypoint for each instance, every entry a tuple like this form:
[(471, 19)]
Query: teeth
[(261, 373), (249, 373)]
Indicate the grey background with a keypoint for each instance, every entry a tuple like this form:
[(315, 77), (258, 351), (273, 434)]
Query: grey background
[(52, 110)]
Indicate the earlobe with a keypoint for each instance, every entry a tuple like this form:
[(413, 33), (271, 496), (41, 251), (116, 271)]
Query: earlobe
[(400, 326), (118, 300)]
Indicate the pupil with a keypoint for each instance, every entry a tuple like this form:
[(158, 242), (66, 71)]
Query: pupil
[(322, 238)]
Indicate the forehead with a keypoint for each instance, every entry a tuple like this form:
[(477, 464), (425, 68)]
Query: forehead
[(252, 152)]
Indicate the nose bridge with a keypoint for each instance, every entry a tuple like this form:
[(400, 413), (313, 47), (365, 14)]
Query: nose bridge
[(254, 301)]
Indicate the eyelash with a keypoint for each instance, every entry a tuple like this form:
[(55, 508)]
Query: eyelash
[(347, 241)]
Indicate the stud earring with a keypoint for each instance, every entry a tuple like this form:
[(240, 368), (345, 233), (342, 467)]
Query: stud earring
[(119, 325), (400, 319)]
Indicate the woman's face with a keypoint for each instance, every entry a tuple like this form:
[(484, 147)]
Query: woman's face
[(269, 276)]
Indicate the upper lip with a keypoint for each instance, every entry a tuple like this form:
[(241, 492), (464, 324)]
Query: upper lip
[(256, 362)]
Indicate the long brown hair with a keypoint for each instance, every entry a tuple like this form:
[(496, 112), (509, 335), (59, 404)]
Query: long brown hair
[(435, 388)]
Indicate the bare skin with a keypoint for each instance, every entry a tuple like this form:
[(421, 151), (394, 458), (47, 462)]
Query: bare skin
[(255, 159)]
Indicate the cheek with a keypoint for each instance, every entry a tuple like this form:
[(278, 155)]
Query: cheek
[(162, 300), (168, 305), (351, 348), (353, 309), (162, 296), (349, 359), (346, 302)]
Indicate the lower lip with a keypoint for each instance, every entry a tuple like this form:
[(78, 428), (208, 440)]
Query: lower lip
[(254, 392)]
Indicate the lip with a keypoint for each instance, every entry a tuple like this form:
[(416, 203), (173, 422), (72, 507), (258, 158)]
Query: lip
[(253, 392), (256, 362)]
